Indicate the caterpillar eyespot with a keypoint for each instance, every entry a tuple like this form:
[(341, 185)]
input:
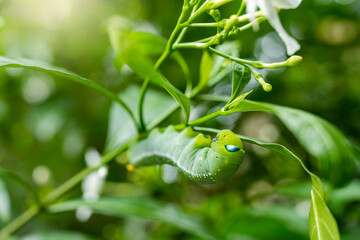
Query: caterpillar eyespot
[(231, 148), (199, 157)]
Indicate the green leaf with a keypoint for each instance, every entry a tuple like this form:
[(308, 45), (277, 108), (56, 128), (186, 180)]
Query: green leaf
[(121, 129), (221, 66), (266, 222), (245, 106), (47, 68), (334, 154), (240, 78), (142, 208), (233, 104), (149, 44), (120, 27), (249, 106), (324, 141), (142, 65), (136, 49), (5, 204), (206, 65), (322, 224), (56, 235)]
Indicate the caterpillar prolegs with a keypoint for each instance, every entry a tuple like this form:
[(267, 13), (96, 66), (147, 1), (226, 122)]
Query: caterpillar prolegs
[(199, 157)]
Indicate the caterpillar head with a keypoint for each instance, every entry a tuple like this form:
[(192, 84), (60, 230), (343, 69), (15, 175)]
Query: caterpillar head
[(228, 154)]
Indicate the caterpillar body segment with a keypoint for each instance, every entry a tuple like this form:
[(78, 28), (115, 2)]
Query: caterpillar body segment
[(199, 157)]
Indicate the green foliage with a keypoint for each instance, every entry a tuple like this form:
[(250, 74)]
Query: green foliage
[(121, 128), (143, 208), (135, 49), (241, 76), (138, 61), (335, 156), (269, 197), (221, 66), (322, 224), (206, 65), (47, 68)]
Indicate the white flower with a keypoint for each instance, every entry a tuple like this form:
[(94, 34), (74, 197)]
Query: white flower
[(268, 7), (92, 183)]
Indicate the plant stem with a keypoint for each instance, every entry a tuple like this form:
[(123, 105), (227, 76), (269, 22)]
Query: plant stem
[(20, 221), (242, 6), (207, 42), (176, 106), (179, 30), (167, 52), (144, 87), (255, 64), (246, 26), (206, 118), (216, 24), (194, 45)]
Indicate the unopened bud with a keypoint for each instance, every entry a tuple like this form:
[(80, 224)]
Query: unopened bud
[(215, 13), (266, 86), (293, 61)]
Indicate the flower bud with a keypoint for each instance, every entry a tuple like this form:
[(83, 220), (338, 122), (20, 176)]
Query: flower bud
[(293, 61), (266, 86)]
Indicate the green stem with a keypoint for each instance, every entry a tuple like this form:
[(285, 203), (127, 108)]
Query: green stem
[(20, 221), (194, 45), (144, 87), (242, 6), (167, 52), (73, 77), (206, 118), (197, 13), (246, 26), (173, 108), (216, 24), (256, 64), (184, 29), (209, 41)]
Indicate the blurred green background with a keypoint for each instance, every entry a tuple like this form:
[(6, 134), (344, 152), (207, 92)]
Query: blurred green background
[(47, 124)]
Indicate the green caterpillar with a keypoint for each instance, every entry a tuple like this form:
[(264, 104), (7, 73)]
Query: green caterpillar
[(199, 157)]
